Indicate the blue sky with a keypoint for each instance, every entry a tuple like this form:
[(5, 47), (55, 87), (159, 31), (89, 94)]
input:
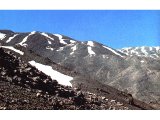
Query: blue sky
[(114, 28)]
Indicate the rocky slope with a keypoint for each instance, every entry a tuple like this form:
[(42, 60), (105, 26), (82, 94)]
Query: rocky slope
[(24, 87), (135, 71)]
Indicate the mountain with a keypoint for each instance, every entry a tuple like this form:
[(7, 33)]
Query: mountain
[(23, 86), (153, 52), (90, 65)]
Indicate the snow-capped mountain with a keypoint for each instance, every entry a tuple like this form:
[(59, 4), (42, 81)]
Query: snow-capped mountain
[(153, 52), (75, 55), (135, 70), (54, 42)]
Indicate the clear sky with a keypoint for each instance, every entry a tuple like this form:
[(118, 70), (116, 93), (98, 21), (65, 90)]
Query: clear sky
[(114, 28)]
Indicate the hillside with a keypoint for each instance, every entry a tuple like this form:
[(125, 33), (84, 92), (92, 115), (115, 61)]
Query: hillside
[(24, 87), (135, 71)]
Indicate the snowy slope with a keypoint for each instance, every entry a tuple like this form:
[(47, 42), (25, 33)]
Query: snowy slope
[(22, 43), (2, 36), (73, 49), (90, 51), (61, 78), (60, 38), (10, 38), (13, 49)]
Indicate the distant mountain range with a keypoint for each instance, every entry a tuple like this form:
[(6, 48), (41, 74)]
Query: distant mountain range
[(153, 52), (134, 70)]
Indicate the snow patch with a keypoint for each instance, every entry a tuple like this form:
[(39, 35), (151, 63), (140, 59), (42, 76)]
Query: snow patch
[(25, 45), (113, 51), (90, 51), (157, 49), (61, 40), (104, 56), (144, 51), (10, 38), (12, 48), (154, 56), (2, 36), (90, 43), (55, 75), (134, 52), (150, 48), (49, 42), (73, 49), (25, 39), (60, 49), (113, 101), (49, 48), (46, 35), (142, 61), (72, 41), (58, 35)]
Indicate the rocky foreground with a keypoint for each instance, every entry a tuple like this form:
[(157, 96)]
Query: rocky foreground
[(24, 87)]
